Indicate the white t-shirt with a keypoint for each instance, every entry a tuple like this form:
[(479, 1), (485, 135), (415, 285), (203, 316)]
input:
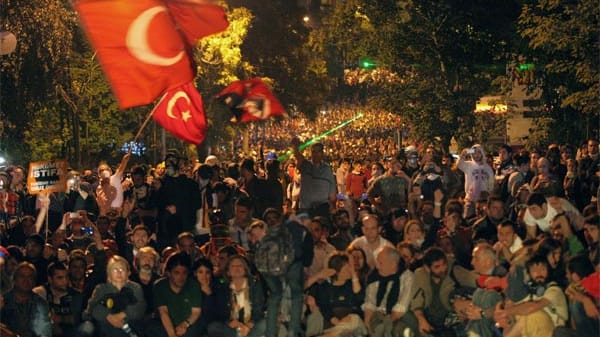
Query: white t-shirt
[(115, 181), (545, 223), (361, 242)]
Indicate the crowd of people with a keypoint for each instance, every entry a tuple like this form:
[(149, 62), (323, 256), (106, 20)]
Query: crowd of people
[(409, 243), (373, 129)]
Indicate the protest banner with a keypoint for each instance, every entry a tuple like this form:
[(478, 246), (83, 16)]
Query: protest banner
[(47, 176)]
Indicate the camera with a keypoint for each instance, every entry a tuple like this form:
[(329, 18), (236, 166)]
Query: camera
[(535, 288), (74, 182), (87, 230)]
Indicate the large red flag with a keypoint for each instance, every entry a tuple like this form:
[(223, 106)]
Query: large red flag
[(140, 50), (197, 18), (251, 100), (180, 111)]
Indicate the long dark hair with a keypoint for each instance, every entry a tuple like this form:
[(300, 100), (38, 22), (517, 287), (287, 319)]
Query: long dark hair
[(364, 271)]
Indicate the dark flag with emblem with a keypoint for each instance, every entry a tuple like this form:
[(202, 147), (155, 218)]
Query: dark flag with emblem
[(250, 100)]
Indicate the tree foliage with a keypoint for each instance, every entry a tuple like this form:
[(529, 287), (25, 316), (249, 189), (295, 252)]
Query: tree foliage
[(564, 38), (567, 36), (44, 31), (441, 52), (220, 62)]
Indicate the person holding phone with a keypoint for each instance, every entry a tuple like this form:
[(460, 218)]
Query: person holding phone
[(479, 176), (79, 226)]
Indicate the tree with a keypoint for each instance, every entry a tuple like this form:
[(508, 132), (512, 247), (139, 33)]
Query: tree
[(29, 76), (220, 62), (565, 39)]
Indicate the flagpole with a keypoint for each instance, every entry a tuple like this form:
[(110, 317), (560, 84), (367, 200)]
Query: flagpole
[(139, 133)]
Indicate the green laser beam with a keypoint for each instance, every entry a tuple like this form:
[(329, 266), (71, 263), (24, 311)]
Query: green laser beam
[(303, 146)]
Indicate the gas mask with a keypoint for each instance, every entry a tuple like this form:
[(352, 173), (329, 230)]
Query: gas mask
[(105, 174), (171, 171)]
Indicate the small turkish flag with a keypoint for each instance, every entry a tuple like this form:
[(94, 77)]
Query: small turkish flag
[(250, 100), (180, 111)]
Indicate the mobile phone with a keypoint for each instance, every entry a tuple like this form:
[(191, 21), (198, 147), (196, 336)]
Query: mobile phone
[(87, 230), (470, 151), (74, 215)]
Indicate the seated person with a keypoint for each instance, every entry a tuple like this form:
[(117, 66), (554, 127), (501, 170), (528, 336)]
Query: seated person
[(335, 303), (187, 244), (66, 304), (388, 296), (23, 312), (539, 313), (146, 274), (583, 293), (509, 243), (241, 306), (178, 300), (433, 285), (117, 306), (457, 237), (219, 238), (322, 248), (210, 288)]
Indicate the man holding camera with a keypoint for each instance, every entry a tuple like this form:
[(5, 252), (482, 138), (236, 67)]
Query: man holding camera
[(479, 176), (79, 197)]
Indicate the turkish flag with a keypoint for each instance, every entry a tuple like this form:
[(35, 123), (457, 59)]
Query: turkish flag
[(197, 18), (180, 111), (250, 100), (138, 46)]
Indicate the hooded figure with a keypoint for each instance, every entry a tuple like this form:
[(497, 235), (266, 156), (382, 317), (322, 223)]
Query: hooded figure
[(479, 175)]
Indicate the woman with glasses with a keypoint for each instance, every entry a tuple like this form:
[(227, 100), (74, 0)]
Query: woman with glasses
[(117, 306)]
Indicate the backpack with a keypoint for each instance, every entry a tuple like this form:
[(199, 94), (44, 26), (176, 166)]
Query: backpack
[(276, 251)]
